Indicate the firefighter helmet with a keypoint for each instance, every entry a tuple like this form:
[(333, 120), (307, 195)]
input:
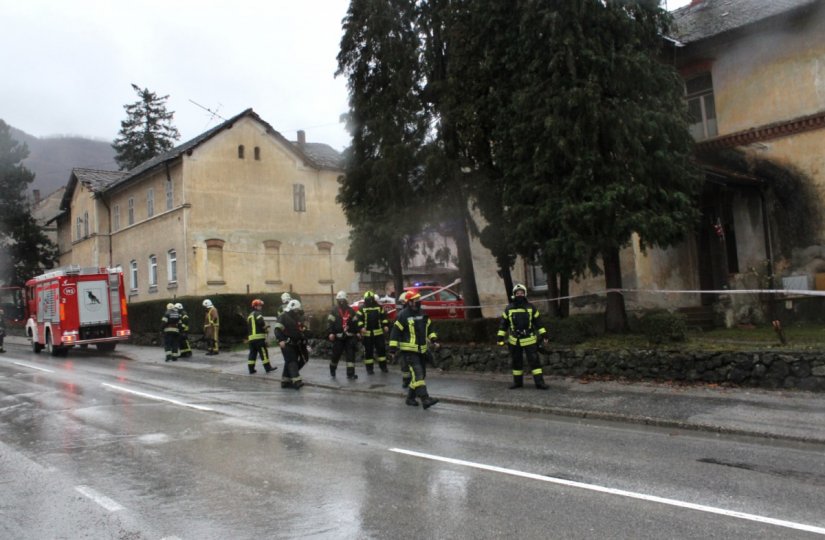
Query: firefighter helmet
[(170, 305), (411, 296), (519, 287), (207, 303), (368, 295), (342, 295), (257, 303), (293, 305), (179, 306), (286, 297)]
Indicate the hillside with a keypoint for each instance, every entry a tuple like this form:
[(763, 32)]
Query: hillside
[(52, 159)]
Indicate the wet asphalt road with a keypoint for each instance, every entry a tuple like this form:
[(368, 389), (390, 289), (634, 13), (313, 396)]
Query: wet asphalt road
[(105, 447)]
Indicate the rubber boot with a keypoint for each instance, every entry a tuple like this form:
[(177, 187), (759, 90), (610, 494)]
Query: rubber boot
[(370, 369), (405, 380), (383, 366), (411, 401), (540, 384), (297, 384), (518, 382), (269, 368), (286, 383), (332, 371), (351, 373), (252, 370), (428, 402)]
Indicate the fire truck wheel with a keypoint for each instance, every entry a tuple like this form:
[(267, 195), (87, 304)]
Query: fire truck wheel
[(105, 347), (51, 349)]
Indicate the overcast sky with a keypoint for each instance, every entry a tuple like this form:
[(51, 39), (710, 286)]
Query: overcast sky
[(68, 65)]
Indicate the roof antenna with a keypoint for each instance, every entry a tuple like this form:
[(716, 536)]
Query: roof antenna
[(213, 114)]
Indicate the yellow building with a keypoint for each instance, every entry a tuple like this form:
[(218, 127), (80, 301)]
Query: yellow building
[(238, 209)]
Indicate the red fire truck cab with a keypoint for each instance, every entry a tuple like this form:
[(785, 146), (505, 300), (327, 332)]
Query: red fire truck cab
[(76, 306)]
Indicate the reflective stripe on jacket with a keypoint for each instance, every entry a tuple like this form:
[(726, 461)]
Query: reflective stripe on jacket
[(522, 322), (256, 325), (411, 332)]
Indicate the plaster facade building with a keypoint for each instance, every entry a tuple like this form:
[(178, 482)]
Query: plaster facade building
[(754, 74), (238, 209)]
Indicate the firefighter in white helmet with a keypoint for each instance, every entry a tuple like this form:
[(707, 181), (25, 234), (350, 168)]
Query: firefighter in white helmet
[(170, 326), (521, 325), (211, 326), (343, 331)]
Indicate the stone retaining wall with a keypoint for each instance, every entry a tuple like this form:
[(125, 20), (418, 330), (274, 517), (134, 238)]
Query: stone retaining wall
[(764, 369)]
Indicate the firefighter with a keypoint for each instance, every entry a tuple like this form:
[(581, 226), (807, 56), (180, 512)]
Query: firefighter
[(256, 325), (170, 325), (211, 325), (2, 329), (185, 345), (342, 330), (406, 376), (522, 323), (375, 327), (409, 336), (293, 342)]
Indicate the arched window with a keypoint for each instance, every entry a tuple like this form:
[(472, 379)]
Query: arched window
[(272, 248), (240, 151), (324, 262), (257, 153), (214, 261), (133, 275), (172, 266), (153, 270)]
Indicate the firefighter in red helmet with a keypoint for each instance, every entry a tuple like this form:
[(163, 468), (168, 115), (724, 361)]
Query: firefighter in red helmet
[(258, 329)]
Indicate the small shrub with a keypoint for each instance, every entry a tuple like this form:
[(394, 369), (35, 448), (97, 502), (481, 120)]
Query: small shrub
[(663, 326)]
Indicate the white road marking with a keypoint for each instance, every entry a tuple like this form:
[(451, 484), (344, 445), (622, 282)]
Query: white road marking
[(32, 367), (620, 492), (102, 500), (159, 398)]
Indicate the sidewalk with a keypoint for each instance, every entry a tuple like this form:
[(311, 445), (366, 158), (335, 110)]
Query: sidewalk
[(788, 415)]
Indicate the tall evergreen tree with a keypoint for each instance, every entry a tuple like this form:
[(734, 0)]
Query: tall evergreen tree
[(147, 131), (598, 146), (24, 249), (380, 193)]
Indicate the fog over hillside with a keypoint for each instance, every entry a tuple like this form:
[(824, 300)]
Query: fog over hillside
[(52, 159)]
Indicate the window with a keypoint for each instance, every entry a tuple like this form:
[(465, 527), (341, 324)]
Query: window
[(153, 271), (257, 153), (447, 296), (324, 262), (701, 107), (299, 203), (172, 265), (78, 223), (133, 277), (131, 211), (85, 224), (272, 263), (536, 277), (170, 196), (150, 202), (240, 151), (116, 217), (214, 261)]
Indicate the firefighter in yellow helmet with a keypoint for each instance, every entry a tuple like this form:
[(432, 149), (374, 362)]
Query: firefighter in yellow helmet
[(256, 325), (409, 336), (521, 325), (374, 327)]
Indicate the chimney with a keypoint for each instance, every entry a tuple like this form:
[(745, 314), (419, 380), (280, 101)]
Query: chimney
[(36, 194), (302, 137)]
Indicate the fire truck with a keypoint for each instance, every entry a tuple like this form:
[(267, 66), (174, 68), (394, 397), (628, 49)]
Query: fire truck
[(76, 306)]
